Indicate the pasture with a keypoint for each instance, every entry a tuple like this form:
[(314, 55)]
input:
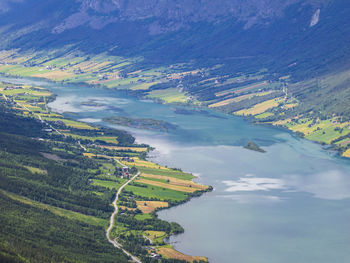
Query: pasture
[(109, 184), (186, 189), (260, 107), (166, 172), (170, 95), (150, 191), (175, 181), (149, 206)]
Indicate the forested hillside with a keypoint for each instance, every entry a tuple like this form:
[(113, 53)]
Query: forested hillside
[(48, 210)]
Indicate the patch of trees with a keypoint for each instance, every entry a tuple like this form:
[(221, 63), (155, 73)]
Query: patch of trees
[(65, 184), (134, 243), (14, 124), (150, 224)]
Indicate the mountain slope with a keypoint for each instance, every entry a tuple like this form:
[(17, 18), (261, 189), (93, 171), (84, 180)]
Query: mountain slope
[(210, 51), (270, 33)]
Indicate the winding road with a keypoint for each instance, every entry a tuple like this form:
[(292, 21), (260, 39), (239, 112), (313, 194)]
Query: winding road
[(48, 124), (111, 221)]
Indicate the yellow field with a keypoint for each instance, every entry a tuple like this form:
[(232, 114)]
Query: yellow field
[(182, 74), (54, 75), (149, 206), (142, 163), (264, 115), (175, 181), (169, 95), (289, 106), (27, 90), (347, 153), (325, 131), (90, 155), (35, 170), (168, 252), (168, 186), (238, 99), (303, 126), (283, 122), (260, 108), (134, 149)]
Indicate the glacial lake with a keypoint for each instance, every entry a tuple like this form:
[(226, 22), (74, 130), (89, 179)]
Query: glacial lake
[(288, 205)]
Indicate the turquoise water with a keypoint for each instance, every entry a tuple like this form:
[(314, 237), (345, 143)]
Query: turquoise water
[(291, 204)]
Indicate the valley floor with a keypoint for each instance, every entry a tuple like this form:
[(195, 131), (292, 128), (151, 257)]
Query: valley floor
[(310, 108)]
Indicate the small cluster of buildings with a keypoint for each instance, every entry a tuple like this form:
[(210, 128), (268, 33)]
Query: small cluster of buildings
[(126, 172)]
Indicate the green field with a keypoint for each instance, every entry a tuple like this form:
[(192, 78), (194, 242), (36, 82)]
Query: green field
[(156, 192), (264, 115), (109, 184), (170, 95), (170, 173), (143, 217)]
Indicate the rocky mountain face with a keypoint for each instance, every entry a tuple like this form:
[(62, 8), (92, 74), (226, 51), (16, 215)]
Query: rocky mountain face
[(262, 33), (170, 15), (163, 16)]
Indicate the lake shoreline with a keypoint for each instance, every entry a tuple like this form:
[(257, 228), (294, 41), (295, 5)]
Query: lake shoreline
[(276, 128), (195, 194)]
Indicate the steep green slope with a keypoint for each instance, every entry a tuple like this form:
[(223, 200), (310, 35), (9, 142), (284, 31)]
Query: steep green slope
[(48, 210)]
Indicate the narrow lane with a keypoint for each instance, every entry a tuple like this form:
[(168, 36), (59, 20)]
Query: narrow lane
[(111, 221)]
